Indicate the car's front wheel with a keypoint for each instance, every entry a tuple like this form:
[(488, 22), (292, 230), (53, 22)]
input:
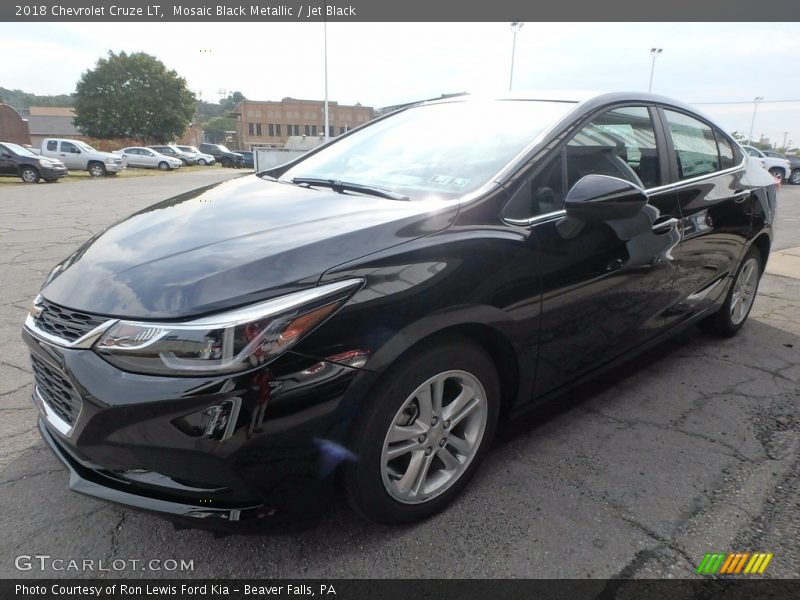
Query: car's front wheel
[(202, 162), (29, 175), (164, 166), (794, 178), (423, 432), (736, 308), (97, 170)]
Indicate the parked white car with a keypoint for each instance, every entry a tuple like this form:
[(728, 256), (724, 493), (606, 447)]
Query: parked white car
[(201, 158), (779, 167), (80, 156), (147, 158)]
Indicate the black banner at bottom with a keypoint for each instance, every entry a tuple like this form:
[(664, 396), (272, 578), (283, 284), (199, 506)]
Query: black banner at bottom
[(400, 589)]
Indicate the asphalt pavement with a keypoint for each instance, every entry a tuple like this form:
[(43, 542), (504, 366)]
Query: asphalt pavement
[(691, 448)]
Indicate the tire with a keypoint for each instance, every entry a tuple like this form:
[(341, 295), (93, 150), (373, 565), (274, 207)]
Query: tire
[(226, 163), (202, 162), (164, 166), (29, 175), (384, 489), (794, 178), (97, 170), (739, 301), (777, 172)]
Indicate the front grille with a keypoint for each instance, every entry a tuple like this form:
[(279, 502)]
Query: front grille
[(56, 390), (65, 323)]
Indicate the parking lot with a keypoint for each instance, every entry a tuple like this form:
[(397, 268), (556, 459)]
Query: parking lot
[(693, 447)]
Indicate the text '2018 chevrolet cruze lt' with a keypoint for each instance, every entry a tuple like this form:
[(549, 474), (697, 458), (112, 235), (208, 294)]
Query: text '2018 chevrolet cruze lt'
[(368, 313)]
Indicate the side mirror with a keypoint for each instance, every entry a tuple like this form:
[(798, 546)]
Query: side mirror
[(604, 198), (75, 151)]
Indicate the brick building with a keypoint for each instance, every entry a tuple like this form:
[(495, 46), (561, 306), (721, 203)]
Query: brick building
[(268, 124), (13, 128)]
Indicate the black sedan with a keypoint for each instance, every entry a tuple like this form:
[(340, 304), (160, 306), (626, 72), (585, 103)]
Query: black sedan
[(18, 161), (369, 313)]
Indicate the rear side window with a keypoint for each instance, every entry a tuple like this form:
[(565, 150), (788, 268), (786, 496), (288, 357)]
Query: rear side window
[(727, 157), (695, 145), (52, 145)]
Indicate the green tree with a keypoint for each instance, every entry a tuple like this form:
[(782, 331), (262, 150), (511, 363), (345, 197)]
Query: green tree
[(133, 95), (216, 127)]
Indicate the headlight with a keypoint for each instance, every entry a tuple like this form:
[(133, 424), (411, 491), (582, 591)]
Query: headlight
[(110, 160), (45, 163), (224, 343)]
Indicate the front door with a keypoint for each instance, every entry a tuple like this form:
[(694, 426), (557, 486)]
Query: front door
[(7, 164), (70, 155), (606, 286)]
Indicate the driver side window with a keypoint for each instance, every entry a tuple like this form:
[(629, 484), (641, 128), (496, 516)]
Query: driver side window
[(620, 143)]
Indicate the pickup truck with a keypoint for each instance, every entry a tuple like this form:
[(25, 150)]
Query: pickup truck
[(80, 156)]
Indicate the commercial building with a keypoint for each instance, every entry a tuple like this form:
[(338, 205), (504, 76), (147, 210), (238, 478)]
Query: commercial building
[(52, 121), (268, 124)]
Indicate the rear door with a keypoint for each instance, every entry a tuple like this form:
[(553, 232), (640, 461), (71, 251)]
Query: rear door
[(715, 206), (605, 285)]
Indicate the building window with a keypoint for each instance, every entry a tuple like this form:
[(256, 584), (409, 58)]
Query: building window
[(258, 129), (251, 128), (307, 129), (278, 130), (313, 130), (342, 130), (271, 129), (331, 132)]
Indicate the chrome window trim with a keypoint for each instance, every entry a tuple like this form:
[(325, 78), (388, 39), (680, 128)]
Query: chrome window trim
[(654, 190)]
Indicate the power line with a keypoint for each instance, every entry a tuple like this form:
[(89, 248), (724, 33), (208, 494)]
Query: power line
[(748, 102)]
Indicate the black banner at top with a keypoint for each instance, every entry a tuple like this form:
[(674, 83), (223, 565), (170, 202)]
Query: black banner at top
[(393, 10)]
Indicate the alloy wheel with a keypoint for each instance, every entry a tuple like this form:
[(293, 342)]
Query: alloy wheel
[(744, 290), (434, 437), (29, 176)]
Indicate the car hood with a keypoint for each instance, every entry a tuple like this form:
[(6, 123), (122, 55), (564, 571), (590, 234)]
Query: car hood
[(231, 244)]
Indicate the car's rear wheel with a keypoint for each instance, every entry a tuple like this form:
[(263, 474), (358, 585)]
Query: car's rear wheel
[(226, 162), (777, 172), (423, 432), (736, 308), (96, 170), (202, 162), (29, 175), (794, 178), (164, 166)]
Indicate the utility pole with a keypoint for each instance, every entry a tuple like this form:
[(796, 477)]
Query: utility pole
[(785, 135), (756, 100), (325, 37), (515, 27)]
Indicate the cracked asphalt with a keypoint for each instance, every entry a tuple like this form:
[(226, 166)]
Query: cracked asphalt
[(691, 448)]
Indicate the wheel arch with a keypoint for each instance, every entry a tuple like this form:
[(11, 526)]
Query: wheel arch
[(486, 326), (763, 242)]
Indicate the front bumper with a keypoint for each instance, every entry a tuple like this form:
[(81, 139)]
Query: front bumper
[(114, 167), (145, 442), (54, 172)]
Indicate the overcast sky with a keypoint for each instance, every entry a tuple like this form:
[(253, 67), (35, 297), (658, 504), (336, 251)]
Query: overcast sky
[(381, 64)]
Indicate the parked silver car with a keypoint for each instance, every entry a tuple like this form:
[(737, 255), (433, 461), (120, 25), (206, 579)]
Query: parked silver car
[(148, 158), (201, 158), (175, 152)]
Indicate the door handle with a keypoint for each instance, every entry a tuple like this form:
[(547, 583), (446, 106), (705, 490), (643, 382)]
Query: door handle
[(741, 195), (665, 225)]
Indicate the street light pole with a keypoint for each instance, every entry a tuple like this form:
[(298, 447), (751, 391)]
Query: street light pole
[(325, 36), (756, 100), (515, 27), (654, 52)]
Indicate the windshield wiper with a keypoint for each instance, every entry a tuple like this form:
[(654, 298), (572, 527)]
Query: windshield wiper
[(344, 186)]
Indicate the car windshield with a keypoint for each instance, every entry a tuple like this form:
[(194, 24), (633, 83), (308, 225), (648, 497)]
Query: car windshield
[(20, 150), (224, 148), (434, 151), (86, 147)]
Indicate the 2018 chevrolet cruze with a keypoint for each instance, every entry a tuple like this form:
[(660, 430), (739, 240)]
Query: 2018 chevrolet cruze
[(368, 313)]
